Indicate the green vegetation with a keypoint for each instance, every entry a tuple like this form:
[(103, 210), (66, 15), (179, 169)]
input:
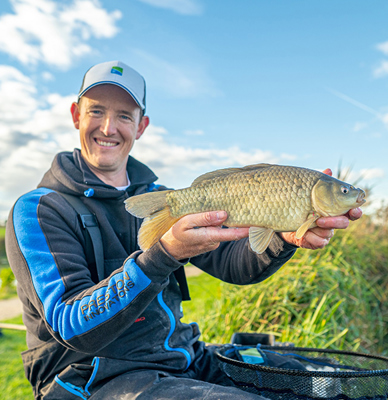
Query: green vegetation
[(7, 283), (332, 298), (7, 279), (13, 384), (3, 258)]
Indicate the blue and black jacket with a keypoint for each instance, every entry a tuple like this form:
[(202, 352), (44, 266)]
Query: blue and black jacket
[(134, 313)]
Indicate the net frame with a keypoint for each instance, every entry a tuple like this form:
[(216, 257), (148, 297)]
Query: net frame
[(340, 376)]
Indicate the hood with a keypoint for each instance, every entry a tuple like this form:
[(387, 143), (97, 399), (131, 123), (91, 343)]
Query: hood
[(70, 174)]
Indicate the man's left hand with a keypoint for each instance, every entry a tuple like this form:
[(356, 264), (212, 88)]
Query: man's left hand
[(319, 237)]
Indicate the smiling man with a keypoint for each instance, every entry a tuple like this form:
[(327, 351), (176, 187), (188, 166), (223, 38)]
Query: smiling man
[(109, 120), (118, 334)]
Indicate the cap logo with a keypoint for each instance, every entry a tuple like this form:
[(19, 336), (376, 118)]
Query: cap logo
[(117, 71)]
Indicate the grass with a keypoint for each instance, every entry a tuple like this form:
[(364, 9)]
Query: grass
[(7, 283), (13, 383), (7, 289), (332, 298)]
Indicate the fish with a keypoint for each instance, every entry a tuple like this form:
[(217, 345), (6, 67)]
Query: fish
[(267, 198)]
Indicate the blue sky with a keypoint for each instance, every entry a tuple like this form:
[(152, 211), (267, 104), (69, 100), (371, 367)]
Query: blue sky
[(228, 83)]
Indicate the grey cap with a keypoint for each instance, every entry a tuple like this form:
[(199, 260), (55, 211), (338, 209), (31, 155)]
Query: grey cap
[(119, 74)]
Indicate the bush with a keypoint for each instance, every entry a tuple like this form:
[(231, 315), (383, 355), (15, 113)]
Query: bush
[(7, 283), (332, 298)]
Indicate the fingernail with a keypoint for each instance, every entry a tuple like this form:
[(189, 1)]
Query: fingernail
[(321, 222), (221, 215)]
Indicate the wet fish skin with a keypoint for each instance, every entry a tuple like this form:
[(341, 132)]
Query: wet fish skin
[(267, 198), (275, 197)]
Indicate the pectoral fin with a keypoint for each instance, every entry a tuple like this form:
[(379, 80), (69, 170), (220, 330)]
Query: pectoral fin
[(306, 225), (259, 238)]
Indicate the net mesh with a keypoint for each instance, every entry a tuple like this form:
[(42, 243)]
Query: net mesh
[(325, 374)]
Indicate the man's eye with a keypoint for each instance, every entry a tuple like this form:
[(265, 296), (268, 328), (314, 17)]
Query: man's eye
[(125, 117), (95, 112)]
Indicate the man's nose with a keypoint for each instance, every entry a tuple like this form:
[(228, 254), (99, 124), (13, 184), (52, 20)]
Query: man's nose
[(108, 126)]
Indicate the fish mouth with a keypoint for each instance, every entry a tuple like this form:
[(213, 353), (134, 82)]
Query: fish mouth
[(361, 197)]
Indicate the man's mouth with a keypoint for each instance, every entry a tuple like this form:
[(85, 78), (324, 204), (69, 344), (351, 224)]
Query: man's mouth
[(106, 144)]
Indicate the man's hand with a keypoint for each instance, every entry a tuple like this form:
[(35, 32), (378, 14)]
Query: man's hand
[(319, 237), (195, 234)]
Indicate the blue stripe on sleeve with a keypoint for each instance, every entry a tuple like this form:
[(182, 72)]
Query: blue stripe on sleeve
[(172, 328), (85, 314), (32, 243), (103, 304)]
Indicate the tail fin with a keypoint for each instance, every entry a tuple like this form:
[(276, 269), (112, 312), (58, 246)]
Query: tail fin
[(153, 207)]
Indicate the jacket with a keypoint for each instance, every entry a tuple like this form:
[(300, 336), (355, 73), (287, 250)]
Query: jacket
[(134, 313)]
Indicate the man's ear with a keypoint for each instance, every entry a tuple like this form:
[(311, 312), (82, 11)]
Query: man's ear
[(75, 113), (144, 122)]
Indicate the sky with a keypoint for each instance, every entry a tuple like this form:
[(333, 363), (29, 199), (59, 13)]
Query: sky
[(229, 83)]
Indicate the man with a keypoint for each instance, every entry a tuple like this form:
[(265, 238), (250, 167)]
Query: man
[(121, 337)]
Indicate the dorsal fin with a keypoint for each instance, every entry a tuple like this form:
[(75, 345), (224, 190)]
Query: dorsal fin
[(227, 171)]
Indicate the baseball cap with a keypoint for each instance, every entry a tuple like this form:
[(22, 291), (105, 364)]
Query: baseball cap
[(119, 74)]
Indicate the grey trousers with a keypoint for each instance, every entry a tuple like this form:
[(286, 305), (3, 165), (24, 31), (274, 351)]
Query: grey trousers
[(112, 379), (154, 385)]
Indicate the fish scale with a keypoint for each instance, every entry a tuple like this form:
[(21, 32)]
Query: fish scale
[(266, 198)]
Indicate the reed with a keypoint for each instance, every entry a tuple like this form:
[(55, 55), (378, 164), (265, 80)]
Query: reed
[(332, 298)]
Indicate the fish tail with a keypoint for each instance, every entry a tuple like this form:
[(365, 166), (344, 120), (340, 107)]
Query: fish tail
[(156, 213)]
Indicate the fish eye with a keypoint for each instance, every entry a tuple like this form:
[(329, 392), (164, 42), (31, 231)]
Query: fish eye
[(344, 190)]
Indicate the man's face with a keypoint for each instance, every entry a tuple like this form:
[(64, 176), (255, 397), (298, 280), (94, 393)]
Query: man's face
[(109, 122)]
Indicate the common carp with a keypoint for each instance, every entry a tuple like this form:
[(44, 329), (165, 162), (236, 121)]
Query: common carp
[(264, 197)]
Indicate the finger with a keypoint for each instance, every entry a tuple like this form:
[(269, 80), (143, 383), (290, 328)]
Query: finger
[(354, 214), (323, 233), (341, 222), (227, 235), (314, 241), (328, 171), (211, 218)]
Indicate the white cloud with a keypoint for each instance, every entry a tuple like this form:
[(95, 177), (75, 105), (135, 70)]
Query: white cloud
[(194, 132), (372, 173), (383, 47), (381, 70), (32, 132), (385, 119), (181, 81), (54, 32), (364, 176), (359, 126), (184, 7), (178, 166), (47, 76), (17, 93)]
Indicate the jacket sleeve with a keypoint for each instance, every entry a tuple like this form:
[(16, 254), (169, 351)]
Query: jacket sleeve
[(45, 250), (235, 262)]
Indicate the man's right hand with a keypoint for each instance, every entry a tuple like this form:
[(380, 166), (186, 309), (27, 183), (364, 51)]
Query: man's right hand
[(196, 234)]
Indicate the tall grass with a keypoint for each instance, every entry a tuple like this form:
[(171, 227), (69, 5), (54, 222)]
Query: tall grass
[(331, 298), (13, 383)]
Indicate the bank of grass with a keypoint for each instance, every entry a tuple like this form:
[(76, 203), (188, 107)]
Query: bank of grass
[(7, 279), (331, 298), (13, 383)]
